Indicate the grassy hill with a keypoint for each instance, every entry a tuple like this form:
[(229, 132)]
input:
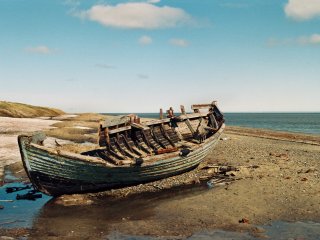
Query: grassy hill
[(20, 110)]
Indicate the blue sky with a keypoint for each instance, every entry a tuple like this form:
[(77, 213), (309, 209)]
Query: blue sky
[(138, 56)]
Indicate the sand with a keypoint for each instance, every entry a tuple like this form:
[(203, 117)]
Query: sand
[(278, 179), (9, 130), (284, 184)]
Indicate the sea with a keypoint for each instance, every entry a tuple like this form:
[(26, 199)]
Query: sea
[(289, 122)]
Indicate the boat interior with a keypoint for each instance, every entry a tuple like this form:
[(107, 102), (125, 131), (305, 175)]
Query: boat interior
[(128, 140)]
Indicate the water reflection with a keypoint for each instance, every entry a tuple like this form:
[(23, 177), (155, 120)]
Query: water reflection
[(18, 213), (100, 218), (108, 218)]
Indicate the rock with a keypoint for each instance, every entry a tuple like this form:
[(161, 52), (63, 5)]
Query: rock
[(232, 174), (244, 220), (279, 155), (254, 166), (311, 170), (6, 238), (210, 183), (195, 180)]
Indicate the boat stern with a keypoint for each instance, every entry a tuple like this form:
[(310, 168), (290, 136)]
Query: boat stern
[(23, 141)]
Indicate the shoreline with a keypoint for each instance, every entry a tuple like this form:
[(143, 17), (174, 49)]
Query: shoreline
[(10, 128), (298, 137)]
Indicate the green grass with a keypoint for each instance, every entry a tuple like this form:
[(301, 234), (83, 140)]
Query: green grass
[(20, 110)]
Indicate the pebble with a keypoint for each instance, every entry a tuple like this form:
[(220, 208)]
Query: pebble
[(6, 238), (311, 170)]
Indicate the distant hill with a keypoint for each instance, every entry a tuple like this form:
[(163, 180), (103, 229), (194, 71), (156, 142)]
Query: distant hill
[(20, 110)]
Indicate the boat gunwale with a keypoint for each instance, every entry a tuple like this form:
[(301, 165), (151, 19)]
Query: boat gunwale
[(152, 160)]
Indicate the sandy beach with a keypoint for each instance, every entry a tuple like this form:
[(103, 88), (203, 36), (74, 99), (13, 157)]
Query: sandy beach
[(278, 179)]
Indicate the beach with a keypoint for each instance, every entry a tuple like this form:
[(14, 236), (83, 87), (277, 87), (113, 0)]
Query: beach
[(277, 179), (9, 130)]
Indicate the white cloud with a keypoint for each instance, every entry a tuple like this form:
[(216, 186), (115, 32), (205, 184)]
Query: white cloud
[(313, 39), (145, 40), (40, 50), (302, 9), (178, 42), (136, 15), (153, 1)]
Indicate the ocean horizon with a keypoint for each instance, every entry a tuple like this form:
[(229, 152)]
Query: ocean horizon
[(297, 122)]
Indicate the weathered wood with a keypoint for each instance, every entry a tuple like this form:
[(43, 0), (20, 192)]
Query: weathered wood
[(157, 121), (166, 150), (166, 135), (187, 121), (161, 114), (203, 106), (157, 143), (119, 130), (191, 116), (213, 121), (139, 126), (158, 135), (56, 172), (211, 129), (143, 146), (132, 146), (172, 134)]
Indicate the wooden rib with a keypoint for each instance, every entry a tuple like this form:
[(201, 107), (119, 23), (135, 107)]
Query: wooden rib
[(151, 141), (108, 157), (141, 143), (121, 146), (115, 150), (156, 130), (171, 133), (132, 146), (166, 135)]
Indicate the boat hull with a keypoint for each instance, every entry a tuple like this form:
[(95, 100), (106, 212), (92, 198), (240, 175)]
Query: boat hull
[(55, 174)]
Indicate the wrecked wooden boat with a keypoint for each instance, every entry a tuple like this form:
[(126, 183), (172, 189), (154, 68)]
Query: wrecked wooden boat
[(130, 152)]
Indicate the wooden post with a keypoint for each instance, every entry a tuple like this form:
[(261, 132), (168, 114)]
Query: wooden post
[(183, 111), (214, 123), (161, 114), (106, 133)]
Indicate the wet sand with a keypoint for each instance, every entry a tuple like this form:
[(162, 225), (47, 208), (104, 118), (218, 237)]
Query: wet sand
[(278, 180)]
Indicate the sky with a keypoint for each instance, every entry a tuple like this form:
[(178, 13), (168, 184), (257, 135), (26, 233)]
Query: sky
[(139, 56)]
